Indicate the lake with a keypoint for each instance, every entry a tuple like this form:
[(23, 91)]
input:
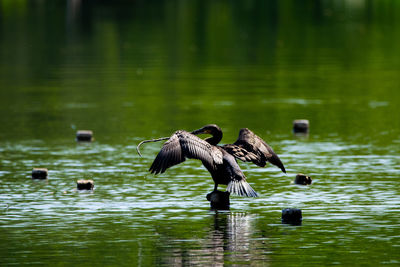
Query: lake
[(136, 70)]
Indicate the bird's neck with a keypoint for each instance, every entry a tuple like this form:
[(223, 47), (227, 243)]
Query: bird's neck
[(215, 139)]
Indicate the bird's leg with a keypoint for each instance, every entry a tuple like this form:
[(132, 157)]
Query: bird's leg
[(215, 187)]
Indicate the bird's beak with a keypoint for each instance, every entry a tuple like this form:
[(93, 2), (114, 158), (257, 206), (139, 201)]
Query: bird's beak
[(198, 131)]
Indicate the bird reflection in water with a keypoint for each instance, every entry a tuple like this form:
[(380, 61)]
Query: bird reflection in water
[(229, 241)]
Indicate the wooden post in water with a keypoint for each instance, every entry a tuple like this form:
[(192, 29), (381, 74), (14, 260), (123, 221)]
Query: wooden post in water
[(85, 184), (39, 173), (301, 126), (84, 136), (291, 216), (302, 179), (219, 200)]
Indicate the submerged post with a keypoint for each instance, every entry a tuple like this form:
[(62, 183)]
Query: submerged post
[(301, 126), (85, 184), (291, 216), (84, 136), (302, 179), (219, 200), (39, 173)]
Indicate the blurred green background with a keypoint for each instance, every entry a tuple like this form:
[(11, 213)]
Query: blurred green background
[(124, 67)]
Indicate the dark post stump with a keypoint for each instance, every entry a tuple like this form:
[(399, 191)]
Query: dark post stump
[(219, 200), (39, 173), (301, 126), (84, 136), (85, 184), (302, 179), (291, 216)]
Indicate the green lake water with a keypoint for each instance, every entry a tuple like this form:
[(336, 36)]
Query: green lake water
[(136, 70)]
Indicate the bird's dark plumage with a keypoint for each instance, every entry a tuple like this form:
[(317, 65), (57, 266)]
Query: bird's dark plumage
[(220, 161), (259, 152), (182, 145)]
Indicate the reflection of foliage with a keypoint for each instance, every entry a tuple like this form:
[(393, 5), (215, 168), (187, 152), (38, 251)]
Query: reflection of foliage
[(183, 33), (199, 59)]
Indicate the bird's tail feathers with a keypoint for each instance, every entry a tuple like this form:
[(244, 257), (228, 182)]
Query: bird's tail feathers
[(241, 188)]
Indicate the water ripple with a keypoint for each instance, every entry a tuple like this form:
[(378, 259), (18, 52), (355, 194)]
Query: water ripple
[(350, 187)]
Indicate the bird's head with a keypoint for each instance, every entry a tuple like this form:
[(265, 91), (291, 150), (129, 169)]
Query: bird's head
[(212, 129), (208, 129)]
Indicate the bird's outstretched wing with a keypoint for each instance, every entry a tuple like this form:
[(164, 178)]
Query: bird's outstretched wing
[(182, 145), (250, 147), (240, 153)]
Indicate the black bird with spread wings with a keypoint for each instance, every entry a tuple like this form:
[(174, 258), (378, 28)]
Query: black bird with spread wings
[(220, 161)]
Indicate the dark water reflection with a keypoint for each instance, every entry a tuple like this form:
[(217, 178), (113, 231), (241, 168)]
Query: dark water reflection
[(228, 241), (134, 70)]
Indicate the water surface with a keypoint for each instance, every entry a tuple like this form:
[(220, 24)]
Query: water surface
[(133, 71)]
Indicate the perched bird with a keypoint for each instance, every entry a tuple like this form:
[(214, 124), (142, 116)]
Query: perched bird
[(219, 160)]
